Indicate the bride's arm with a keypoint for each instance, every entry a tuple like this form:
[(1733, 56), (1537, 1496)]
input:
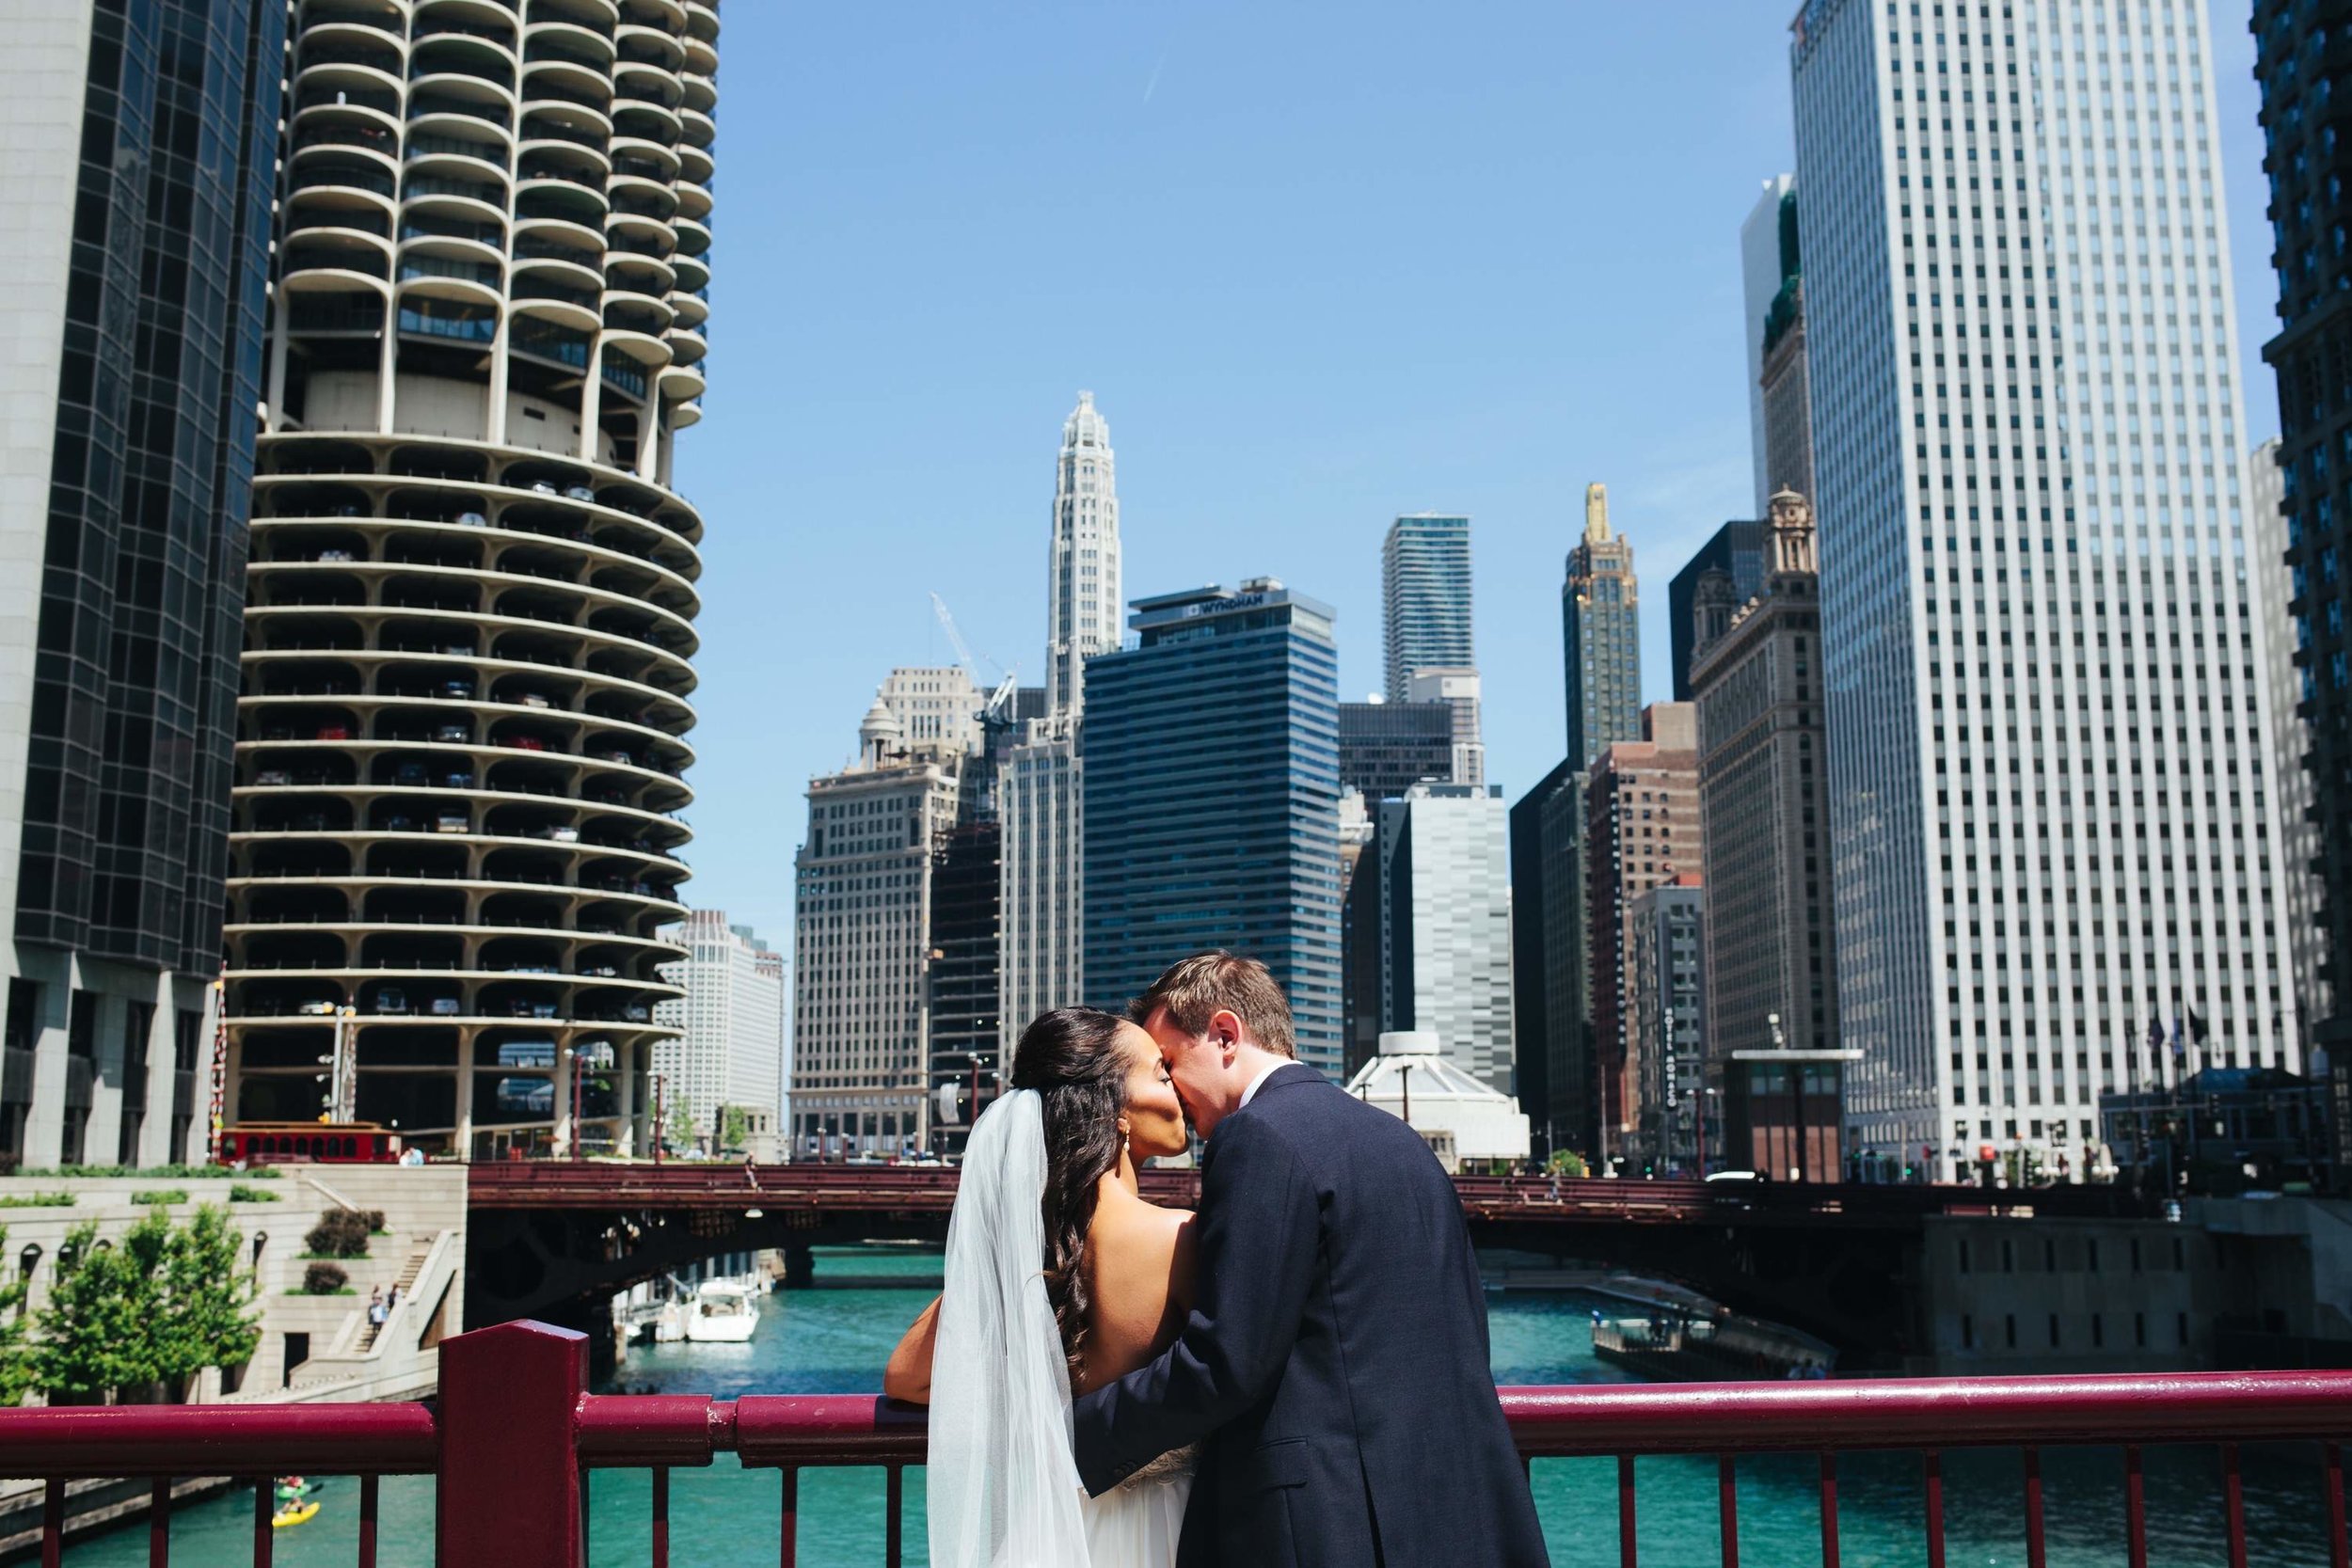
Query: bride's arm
[(908, 1375)]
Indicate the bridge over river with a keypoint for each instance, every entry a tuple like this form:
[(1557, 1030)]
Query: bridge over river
[(556, 1240)]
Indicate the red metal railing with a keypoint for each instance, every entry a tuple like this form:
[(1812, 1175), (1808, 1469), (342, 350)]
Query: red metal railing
[(514, 1436)]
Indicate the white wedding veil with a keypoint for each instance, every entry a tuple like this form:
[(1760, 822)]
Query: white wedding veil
[(1003, 1487)]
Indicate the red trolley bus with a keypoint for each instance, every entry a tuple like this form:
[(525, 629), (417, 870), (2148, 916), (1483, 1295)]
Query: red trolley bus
[(325, 1142)]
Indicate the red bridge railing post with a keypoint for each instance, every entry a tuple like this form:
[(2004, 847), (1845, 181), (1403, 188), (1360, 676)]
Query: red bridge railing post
[(509, 1483)]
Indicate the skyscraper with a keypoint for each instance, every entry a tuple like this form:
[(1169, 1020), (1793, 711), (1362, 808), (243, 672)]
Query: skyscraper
[(1238, 845), (1444, 896), (2047, 726), (1082, 586), (1387, 748), (469, 623), (1641, 830), (2312, 531), (1551, 981), (1786, 381), (1039, 792), (1425, 598), (1667, 974), (141, 167), (1737, 549), (1763, 270), (865, 887), (2290, 737), (1601, 629), (1764, 805), (729, 1048)]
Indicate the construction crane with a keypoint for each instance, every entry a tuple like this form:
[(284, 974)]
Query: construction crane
[(997, 711)]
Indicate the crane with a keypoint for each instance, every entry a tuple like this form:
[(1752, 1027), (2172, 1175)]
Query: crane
[(997, 711)]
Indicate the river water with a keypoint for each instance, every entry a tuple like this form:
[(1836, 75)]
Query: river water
[(834, 1341)]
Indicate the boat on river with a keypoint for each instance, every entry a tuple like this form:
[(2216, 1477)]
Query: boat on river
[(724, 1312)]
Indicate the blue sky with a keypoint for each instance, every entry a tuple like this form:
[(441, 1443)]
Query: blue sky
[(1320, 265)]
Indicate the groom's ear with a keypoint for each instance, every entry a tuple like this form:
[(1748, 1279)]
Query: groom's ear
[(1225, 1028)]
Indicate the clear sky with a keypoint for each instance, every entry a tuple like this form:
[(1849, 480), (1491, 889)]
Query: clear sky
[(1320, 265)]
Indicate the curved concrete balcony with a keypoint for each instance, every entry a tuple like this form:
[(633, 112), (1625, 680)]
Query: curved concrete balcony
[(402, 588), (548, 36), (639, 44), (702, 21), (692, 271), (366, 459), (694, 235), (551, 78), (698, 128), (695, 163), (702, 91), (693, 200), (685, 382)]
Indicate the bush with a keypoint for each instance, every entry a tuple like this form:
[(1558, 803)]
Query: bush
[(37, 1200), (324, 1280), (161, 1195), (1568, 1162), (343, 1232), (241, 1193)]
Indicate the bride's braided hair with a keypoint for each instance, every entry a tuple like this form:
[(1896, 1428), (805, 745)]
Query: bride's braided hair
[(1071, 1056)]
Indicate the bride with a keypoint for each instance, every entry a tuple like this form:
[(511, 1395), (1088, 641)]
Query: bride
[(1060, 1278)]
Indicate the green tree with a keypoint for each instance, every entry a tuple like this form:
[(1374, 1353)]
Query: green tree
[(738, 1128), (681, 1136), (208, 1320), (98, 1332), (1565, 1162), (158, 1306), (15, 1368)]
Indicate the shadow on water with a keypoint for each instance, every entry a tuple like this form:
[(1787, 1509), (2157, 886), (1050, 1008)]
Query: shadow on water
[(834, 1342)]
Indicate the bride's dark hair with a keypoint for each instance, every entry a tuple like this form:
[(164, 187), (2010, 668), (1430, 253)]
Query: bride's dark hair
[(1071, 1058)]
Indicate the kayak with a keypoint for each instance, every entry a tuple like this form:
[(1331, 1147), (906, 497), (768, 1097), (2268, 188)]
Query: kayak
[(293, 1517)]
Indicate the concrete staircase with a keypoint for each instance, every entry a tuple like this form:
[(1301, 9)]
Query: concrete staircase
[(418, 1250)]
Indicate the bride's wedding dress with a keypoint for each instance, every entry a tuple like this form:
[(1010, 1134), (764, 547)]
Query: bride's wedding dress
[(1004, 1490)]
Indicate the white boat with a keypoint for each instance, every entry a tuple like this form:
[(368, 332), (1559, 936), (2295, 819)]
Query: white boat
[(722, 1313)]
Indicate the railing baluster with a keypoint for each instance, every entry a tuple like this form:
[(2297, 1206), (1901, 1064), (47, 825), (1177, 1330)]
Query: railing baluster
[(2037, 1555), (159, 1523), (264, 1496), (893, 1522), (1628, 1552), (1829, 1508), (2331, 1457), (791, 1529), (368, 1488), (2234, 1499), (1934, 1467), (53, 1523), (2134, 1506), (1728, 1498), (661, 1517)]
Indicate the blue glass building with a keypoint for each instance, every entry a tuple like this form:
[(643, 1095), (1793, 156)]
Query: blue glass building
[(1212, 797)]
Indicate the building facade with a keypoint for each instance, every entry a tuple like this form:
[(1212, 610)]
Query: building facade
[(1425, 598), (470, 614), (2299, 70), (1788, 397), (1736, 550), (1457, 689), (1668, 969), (2291, 739), (936, 706), (1082, 583), (1551, 980), (1771, 964), (1387, 748), (1641, 830), (864, 915), (1763, 268), (1602, 636), (2048, 734), (1444, 894), (143, 145), (727, 1055), (1239, 846)]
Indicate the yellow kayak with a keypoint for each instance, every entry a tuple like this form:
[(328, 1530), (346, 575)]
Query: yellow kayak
[(293, 1517)]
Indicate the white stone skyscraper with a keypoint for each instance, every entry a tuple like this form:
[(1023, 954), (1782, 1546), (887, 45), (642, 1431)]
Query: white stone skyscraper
[(2056, 840), (729, 1050), (1082, 586), (1040, 784)]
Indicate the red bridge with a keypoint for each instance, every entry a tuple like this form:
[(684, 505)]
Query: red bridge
[(515, 1439), (552, 1239)]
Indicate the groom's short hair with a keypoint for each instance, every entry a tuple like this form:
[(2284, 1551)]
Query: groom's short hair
[(1194, 989)]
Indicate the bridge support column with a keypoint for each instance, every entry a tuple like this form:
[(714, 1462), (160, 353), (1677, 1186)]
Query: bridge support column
[(800, 1266)]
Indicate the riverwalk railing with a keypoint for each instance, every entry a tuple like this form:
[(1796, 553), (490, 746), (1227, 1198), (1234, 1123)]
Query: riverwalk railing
[(514, 1439)]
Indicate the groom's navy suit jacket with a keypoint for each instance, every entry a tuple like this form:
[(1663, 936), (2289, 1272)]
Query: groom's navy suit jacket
[(1335, 1361)]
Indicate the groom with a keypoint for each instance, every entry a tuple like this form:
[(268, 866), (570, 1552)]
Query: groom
[(1335, 1362)]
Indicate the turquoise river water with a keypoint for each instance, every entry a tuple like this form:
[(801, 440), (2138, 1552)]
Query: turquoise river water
[(834, 1342)]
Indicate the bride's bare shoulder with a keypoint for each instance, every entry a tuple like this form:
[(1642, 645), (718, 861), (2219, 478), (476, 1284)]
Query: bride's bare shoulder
[(1141, 1244)]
